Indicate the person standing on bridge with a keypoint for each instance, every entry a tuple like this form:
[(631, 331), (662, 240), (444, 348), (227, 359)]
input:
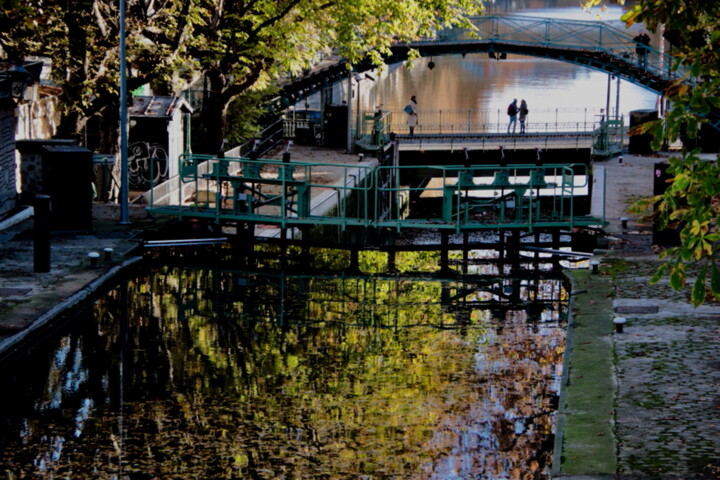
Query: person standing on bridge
[(512, 112), (522, 115), (412, 114), (642, 42)]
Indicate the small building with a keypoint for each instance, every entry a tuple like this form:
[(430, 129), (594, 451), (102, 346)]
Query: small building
[(159, 134)]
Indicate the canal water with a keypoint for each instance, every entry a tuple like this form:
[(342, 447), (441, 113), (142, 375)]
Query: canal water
[(217, 371), (223, 371)]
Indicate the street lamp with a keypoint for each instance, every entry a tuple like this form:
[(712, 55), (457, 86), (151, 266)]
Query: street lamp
[(13, 82), (358, 79)]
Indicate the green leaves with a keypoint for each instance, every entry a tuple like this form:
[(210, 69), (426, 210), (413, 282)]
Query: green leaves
[(677, 276), (698, 291), (659, 274), (714, 280)]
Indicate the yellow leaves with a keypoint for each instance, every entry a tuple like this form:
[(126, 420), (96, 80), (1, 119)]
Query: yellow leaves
[(701, 249), (678, 89), (677, 277), (699, 228), (241, 460), (630, 17)]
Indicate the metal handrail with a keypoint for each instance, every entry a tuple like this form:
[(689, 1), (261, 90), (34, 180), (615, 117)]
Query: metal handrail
[(239, 189), (473, 121), (567, 182), (210, 174), (581, 35)]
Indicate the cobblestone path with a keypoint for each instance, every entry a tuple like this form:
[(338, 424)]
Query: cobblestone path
[(668, 374)]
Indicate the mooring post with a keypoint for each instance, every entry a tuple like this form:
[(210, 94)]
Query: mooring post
[(41, 234), (392, 265), (466, 242), (444, 262), (245, 232), (619, 323)]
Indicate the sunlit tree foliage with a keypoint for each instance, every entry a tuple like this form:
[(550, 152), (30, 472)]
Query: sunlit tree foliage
[(236, 45)]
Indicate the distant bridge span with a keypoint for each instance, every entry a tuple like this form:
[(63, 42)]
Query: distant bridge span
[(592, 44)]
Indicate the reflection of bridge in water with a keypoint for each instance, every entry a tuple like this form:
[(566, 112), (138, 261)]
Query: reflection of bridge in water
[(528, 282)]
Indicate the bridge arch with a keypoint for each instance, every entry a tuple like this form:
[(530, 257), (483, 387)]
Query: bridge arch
[(591, 44)]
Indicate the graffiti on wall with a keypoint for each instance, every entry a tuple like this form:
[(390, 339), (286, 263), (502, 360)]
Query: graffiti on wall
[(147, 164), (8, 193)]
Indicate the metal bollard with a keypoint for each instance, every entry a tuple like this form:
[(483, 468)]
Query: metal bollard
[(619, 323), (41, 234), (595, 266), (93, 257), (624, 221), (108, 254)]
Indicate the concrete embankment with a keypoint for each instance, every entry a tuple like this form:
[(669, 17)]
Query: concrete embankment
[(30, 300), (585, 444)]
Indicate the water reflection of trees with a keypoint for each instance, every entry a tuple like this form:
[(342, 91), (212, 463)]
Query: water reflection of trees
[(222, 374)]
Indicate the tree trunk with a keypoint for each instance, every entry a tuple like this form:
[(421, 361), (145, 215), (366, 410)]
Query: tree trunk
[(214, 114)]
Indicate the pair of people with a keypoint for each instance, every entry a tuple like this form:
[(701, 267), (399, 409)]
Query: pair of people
[(516, 112), (642, 44)]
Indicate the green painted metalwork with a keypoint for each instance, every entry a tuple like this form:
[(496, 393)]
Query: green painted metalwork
[(592, 44), (492, 197), (239, 189), (609, 139), (227, 190), (374, 131)]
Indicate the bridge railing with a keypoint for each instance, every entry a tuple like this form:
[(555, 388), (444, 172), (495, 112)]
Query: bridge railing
[(303, 194), (579, 35), (512, 195), (474, 122), (241, 188)]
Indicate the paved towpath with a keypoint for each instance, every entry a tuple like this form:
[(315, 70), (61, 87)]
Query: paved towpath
[(644, 403)]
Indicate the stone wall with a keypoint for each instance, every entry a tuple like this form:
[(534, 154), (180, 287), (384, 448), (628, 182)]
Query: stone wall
[(38, 119)]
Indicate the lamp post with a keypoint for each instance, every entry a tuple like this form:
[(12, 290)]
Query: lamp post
[(358, 78), (349, 144), (124, 193)]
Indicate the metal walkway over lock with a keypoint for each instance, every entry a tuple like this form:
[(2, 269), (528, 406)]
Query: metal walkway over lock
[(300, 195)]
